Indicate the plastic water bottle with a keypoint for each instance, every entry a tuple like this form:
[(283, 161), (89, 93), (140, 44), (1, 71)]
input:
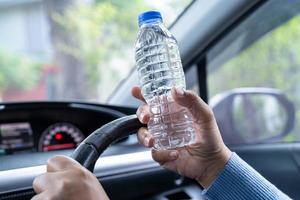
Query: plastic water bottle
[(159, 70)]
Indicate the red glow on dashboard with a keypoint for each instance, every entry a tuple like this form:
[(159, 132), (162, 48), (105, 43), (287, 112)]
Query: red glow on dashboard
[(59, 146), (58, 136)]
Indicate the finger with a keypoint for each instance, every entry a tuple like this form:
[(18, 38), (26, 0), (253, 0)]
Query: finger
[(143, 113), (197, 107), (136, 92), (40, 196), (170, 166), (164, 156), (41, 182), (58, 163), (145, 138)]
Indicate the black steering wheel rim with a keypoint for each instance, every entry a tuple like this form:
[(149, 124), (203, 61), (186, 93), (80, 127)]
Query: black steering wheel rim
[(89, 150)]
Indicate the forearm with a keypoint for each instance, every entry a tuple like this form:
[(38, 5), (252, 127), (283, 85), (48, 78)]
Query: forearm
[(238, 180)]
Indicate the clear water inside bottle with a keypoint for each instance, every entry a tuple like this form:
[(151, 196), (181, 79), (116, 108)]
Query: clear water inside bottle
[(159, 70)]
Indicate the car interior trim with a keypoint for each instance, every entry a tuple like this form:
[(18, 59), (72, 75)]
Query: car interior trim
[(18, 179)]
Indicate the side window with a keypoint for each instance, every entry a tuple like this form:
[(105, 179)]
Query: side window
[(254, 77), (191, 79)]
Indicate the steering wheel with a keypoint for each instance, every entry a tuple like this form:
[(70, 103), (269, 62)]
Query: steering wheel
[(89, 150)]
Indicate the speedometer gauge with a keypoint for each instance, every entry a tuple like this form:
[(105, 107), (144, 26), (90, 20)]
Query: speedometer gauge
[(60, 136)]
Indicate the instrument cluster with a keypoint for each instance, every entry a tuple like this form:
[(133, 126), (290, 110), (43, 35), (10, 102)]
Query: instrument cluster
[(19, 137)]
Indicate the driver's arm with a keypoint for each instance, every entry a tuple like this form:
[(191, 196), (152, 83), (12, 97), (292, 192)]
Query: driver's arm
[(67, 179)]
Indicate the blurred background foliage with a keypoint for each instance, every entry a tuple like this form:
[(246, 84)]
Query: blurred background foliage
[(103, 34), (92, 47), (273, 56), (18, 72)]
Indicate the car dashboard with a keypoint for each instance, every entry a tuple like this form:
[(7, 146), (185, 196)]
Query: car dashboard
[(46, 127), (34, 130)]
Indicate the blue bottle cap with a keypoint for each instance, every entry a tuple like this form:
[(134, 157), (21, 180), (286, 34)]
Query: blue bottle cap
[(149, 17)]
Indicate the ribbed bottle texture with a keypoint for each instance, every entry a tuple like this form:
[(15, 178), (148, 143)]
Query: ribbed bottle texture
[(159, 70)]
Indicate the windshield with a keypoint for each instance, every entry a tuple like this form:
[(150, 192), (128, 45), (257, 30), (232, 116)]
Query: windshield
[(70, 50)]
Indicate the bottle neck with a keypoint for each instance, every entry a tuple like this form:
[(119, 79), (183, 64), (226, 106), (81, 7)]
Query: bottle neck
[(150, 22)]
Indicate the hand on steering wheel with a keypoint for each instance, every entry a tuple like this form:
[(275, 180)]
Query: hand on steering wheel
[(66, 179)]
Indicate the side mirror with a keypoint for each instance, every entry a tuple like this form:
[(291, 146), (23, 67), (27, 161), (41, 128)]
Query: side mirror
[(253, 115)]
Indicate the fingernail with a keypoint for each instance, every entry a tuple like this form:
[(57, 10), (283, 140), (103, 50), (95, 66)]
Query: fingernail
[(142, 115), (147, 141), (179, 92), (138, 112), (173, 154)]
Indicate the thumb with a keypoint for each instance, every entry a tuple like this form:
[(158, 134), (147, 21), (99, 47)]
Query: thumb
[(200, 111)]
